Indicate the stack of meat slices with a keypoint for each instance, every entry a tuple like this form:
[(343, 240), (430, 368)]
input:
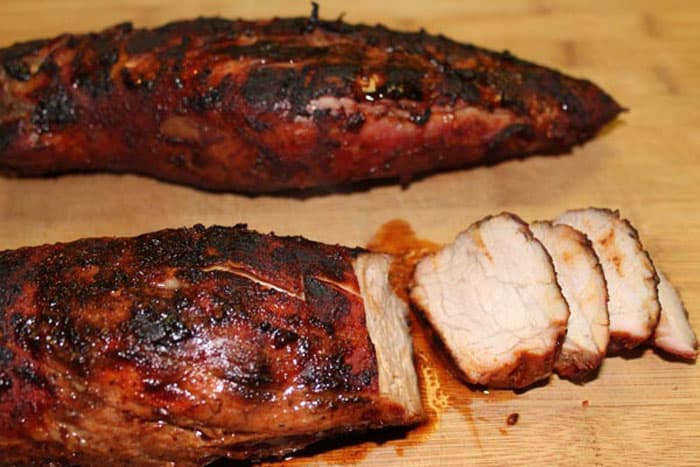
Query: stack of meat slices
[(512, 303)]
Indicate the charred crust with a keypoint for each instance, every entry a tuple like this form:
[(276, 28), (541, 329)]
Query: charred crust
[(162, 328), (144, 40), (54, 109), (509, 133), (283, 337), (22, 49), (49, 67), (209, 99), (7, 134), (136, 83), (273, 51), (257, 124), (6, 356), (29, 375), (5, 381), (355, 121), (458, 85), (17, 69), (326, 303), (328, 373), (255, 373), (421, 118)]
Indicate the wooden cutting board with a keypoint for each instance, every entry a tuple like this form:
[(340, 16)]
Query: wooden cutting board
[(643, 410)]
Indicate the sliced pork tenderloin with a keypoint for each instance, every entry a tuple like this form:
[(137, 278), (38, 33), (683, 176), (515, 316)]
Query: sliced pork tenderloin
[(582, 283), (493, 300), (674, 333), (633, 302)]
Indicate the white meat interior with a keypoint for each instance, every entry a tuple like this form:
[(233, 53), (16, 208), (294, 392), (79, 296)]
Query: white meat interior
[(492, 297), (388, 329)]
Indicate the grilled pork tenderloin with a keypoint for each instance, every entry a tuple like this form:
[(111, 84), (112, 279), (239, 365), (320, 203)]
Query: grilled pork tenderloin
[(260, 106), (182, 346), (493, 299)]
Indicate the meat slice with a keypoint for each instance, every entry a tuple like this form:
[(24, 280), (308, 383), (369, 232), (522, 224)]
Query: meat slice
[(279, 104), (182, 346), (493, 299), (674, 334), (582, 283), (633, 302)]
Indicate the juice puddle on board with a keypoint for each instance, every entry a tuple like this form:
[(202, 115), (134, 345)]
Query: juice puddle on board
[(440, 389)]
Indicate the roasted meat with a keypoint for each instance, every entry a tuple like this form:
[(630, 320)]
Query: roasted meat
[(181, 346), (280, 104), (583, 285), (630, 275), (674, 334), (493, 300)]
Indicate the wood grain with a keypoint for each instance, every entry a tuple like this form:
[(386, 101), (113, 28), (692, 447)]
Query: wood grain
[(643, 411)]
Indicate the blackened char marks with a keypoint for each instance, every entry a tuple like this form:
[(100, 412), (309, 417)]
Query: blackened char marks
[(12, 265), (17, 69), (273, 51), (57, 335), (327, 305), (7, 134), (159, 327), (5, 381), (334, 79), (6, 357), (30, 375), (328, 373), (172, 248), (279, 260), (280, 89), (506, 135), (270, 89), (403, 83), (355, 121), (458, 85), (202, 27), (209, 99), (54, 109), (144, 40), (21, 50)]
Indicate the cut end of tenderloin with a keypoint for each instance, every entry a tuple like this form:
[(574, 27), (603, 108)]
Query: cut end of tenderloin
[(633, 302), (386, 316), (674, 334), (492, 298), (582, 283)]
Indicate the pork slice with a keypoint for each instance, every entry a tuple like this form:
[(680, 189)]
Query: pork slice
[(493, 300), (633, 301), (386, 315), (674, 334), (581, 279)]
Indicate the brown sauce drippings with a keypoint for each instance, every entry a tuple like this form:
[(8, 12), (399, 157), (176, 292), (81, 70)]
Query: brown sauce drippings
[(397, 238)]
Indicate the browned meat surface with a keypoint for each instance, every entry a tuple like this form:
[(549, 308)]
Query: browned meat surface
[(280, 104), (493, 299), (186, 345)]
